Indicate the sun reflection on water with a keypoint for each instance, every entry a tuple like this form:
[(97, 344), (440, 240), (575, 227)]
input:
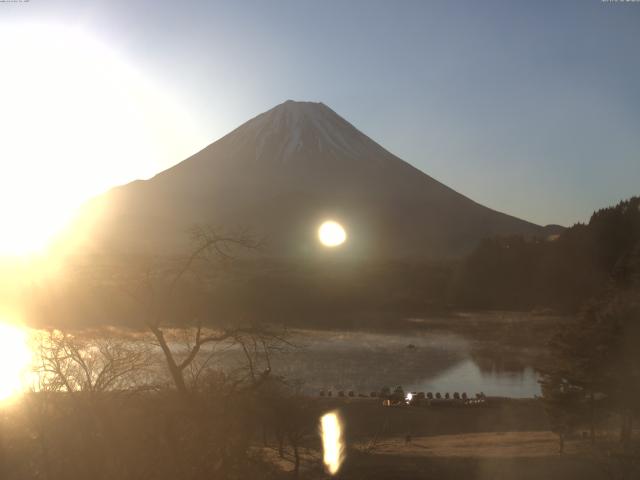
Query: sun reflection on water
[(15, 360), (332, 442)]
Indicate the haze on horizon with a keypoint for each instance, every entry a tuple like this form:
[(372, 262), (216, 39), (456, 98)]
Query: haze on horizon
[(540, 123)]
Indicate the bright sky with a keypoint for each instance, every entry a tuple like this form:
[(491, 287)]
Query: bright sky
[(531, 108)]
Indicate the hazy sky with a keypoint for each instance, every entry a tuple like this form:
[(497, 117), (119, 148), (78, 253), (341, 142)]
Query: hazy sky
[(528, 107)]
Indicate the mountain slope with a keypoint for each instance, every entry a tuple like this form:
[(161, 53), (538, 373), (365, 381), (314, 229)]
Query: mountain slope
[(280, 175)]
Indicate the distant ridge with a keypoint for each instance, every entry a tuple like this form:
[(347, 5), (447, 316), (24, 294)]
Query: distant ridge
[(283, 172)]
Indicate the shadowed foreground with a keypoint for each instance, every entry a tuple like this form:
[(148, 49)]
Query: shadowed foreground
[(452, 443)]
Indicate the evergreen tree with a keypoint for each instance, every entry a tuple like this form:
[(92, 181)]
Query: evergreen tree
[(595, 364)]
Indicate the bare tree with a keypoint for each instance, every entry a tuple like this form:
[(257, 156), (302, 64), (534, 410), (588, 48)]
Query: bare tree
[(73, 363), (156, 288), (73, 404)]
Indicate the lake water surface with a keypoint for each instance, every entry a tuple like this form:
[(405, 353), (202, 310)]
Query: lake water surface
[(435, 362), (365, 362)]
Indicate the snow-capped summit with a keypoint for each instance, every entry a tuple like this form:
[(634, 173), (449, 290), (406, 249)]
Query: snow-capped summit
[(285, 171), (295, 128)]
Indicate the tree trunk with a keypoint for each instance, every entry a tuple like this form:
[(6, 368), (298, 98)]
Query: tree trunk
[(174, 370)]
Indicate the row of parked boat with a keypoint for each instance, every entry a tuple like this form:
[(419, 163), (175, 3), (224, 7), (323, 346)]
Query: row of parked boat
[(420, 399), (399, 398)]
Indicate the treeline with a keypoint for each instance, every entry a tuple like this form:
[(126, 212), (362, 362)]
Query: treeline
[(593, 375), (502, 273), (313, 294), (560, 273), (345, 295)]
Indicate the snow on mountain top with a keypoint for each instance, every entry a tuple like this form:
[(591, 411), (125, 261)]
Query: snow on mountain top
[(299, 127)]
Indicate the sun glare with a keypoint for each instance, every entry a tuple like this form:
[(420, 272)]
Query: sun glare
[(331, 234), (75, 120), (332, 442), (15, 360)]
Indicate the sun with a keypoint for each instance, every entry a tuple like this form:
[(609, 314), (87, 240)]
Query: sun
[(15, 360), (76, 119), (332, 234)]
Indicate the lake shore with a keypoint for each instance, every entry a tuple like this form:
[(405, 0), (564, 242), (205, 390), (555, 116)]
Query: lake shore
[(508, 440)]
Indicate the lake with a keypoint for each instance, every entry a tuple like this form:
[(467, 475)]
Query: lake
[(436, 362), (365, 362)]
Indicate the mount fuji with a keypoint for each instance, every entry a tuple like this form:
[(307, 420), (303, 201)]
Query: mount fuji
[(280, 175)]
